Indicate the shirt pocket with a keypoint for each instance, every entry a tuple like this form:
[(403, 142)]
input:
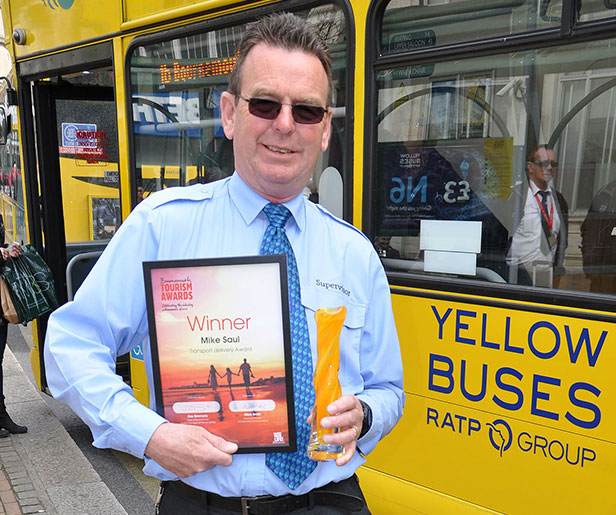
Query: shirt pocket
[(350, 336)]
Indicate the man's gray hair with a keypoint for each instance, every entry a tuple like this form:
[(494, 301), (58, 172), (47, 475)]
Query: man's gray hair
[(282, 30)]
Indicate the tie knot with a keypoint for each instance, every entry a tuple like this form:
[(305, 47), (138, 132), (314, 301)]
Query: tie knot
[(544, 194), (277, 214)]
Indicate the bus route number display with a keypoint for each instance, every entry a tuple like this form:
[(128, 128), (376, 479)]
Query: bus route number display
[(449, 181)]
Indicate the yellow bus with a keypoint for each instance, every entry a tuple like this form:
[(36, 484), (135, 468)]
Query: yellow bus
[(508, 349)]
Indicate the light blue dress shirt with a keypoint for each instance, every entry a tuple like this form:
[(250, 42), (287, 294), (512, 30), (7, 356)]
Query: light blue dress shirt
[(337, 266)]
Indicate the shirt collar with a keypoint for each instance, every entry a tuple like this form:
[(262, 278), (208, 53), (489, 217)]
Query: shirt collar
[(249, 203), (534, 188)]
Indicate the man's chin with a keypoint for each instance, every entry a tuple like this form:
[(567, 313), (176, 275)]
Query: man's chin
[(280, 188)]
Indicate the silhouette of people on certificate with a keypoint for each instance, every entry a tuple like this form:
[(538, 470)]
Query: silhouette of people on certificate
[(213, 378), (246, 372), (228, 374)]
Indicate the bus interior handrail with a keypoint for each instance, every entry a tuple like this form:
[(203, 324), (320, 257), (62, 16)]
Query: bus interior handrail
[(71, 264), (405, 265)]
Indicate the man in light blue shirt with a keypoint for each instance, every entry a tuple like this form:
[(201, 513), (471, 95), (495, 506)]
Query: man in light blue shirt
[(273, 113)]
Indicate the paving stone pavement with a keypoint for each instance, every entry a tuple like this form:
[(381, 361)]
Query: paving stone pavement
[(43, 470)]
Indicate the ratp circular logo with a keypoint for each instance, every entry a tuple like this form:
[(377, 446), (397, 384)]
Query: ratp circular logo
[(500, 435), (65, 4), (69, 131)]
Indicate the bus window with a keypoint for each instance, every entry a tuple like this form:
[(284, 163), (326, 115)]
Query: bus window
[(597, 9), (176, 86), (410, 24), (88, 153), (12, 206), (455, 142)]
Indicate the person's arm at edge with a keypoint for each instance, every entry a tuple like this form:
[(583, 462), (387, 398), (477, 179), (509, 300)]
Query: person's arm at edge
[(85, 336), (77, 333)]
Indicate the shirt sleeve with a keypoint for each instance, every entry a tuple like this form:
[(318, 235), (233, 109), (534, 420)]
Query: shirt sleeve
[(380, 361), (106, 319)]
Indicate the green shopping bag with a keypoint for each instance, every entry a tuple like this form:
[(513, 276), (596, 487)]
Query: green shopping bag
[(30, 284), (41, 273)]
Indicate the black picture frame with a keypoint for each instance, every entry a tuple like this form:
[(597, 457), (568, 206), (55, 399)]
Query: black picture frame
[(241, 419)]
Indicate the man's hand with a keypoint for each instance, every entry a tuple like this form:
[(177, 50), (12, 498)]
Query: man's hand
[(14, 249), (348, 415), (186, 449)]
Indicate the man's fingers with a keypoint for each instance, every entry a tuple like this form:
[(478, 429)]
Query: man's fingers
[(347, 414), (344, 412), (349, 451), (222, 450), (343, 404), (186, 450)]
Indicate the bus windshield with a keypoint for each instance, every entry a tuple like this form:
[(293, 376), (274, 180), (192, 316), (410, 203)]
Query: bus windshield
[(176, 86)]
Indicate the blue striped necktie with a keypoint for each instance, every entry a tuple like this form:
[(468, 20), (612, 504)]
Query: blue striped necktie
[(292, 468)]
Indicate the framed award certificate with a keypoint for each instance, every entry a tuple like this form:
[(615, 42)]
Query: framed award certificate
[(221, 352)]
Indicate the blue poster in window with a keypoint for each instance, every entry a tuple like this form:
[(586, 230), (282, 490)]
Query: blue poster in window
[(423, 181), (79, 135), (169, 114)]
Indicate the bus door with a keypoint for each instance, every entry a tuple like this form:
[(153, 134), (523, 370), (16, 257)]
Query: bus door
[(70, 139)]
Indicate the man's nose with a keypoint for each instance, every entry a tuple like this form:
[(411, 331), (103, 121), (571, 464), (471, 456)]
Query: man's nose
[(284, 121)]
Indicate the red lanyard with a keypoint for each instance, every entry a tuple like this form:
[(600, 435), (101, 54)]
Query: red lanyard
[(548, 219)]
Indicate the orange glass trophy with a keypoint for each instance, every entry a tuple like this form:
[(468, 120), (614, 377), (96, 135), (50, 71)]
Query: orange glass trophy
[(326, 384)]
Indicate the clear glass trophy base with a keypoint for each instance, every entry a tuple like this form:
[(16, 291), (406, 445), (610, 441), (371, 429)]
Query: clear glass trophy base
[(319, 451)]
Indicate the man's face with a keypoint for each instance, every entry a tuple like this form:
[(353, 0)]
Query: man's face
[(540, 169), (383, 241), (276, 157)]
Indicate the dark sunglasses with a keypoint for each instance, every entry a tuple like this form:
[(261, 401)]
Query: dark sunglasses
[(269, 110), (544, 164)]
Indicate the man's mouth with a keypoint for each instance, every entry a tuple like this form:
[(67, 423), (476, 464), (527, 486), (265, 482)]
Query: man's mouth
[(279, 150)]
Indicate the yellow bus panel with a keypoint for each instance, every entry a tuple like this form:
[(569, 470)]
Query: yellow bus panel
[(494, 392), (80, 195), (388, 495), (55, 23), (138, 376)]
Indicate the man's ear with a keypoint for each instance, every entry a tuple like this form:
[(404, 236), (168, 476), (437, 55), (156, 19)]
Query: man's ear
[(227, 113), (327, 130)]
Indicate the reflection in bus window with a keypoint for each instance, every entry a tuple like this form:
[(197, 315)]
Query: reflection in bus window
[(453, 139), (12, 205), (598, 235), (382, 244), (596, 9), (105, 217), (537, 250), (176, 86), (410, 24)]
